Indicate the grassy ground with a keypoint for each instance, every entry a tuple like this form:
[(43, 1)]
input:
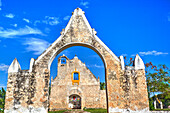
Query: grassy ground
[(166, 109), (100, 110), (88, 110), (96, 110), (61, 111)]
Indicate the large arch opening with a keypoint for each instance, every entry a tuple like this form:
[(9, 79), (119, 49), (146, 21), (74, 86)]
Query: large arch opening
[(63, 61)]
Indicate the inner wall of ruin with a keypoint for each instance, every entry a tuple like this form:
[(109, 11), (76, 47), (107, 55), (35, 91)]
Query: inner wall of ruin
[(126, 89), (88, 88)]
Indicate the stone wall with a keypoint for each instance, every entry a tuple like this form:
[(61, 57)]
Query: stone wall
[(126, 88), (88, 88), (20, 90)]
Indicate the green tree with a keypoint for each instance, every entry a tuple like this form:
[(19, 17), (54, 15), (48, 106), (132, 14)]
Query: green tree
[(158, 80), (128, 62), (2, 98), (102, 86)]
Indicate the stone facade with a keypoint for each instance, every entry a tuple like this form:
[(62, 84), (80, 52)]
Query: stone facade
[(126, 90), (88, 88)]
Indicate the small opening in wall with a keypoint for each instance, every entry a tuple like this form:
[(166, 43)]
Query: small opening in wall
[(75, 76), (63, 60)]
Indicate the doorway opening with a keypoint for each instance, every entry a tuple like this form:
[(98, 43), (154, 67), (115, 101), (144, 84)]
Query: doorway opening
[(75, 101)]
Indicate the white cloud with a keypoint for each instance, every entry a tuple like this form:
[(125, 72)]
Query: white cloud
[(51, 20), (4, 67), (155, 53), (11, 33), (0, 5), (26, 20), (96, 66), (15, 25), (66, 17), (48, 20), (123, 54), (37, 21), (10, 15), (133, 55), (2, 86), (36, 45), (85, 4)]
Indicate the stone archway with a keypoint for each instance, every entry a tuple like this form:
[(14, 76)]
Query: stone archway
[(79, 33), (73, 91), (28, 90)]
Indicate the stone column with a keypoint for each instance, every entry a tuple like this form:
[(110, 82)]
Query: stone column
[(161, 105), (155, 104)]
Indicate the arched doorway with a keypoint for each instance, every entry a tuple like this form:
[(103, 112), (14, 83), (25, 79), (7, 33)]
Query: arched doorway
[(75, 101)]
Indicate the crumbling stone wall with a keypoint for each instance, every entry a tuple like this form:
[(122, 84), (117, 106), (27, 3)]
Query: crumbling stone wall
[(88, 88), (122, 85), (20, 90)]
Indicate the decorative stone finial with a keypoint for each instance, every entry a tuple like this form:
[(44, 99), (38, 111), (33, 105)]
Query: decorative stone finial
[(31, 64), (78, 11), (14, 67), (122, 62), (94, 32), (138, 63), (75, 56), (62, 32)]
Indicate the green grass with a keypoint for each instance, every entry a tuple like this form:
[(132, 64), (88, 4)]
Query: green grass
[(61, 111), (166, 109), (92, 110)]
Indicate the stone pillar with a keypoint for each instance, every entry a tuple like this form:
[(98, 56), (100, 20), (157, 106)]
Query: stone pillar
[(155, 104), (13, 70), (161, 105)]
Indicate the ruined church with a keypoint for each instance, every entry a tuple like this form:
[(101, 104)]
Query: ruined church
[(28, 90), (75, 87)]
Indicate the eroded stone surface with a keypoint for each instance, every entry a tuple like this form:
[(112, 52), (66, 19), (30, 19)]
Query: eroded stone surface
[(88, 89), (126, 89)]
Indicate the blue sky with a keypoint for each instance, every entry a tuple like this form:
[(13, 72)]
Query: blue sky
[(28, 27)]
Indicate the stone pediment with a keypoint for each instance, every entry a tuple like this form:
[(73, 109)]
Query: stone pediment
[(78, 30)]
